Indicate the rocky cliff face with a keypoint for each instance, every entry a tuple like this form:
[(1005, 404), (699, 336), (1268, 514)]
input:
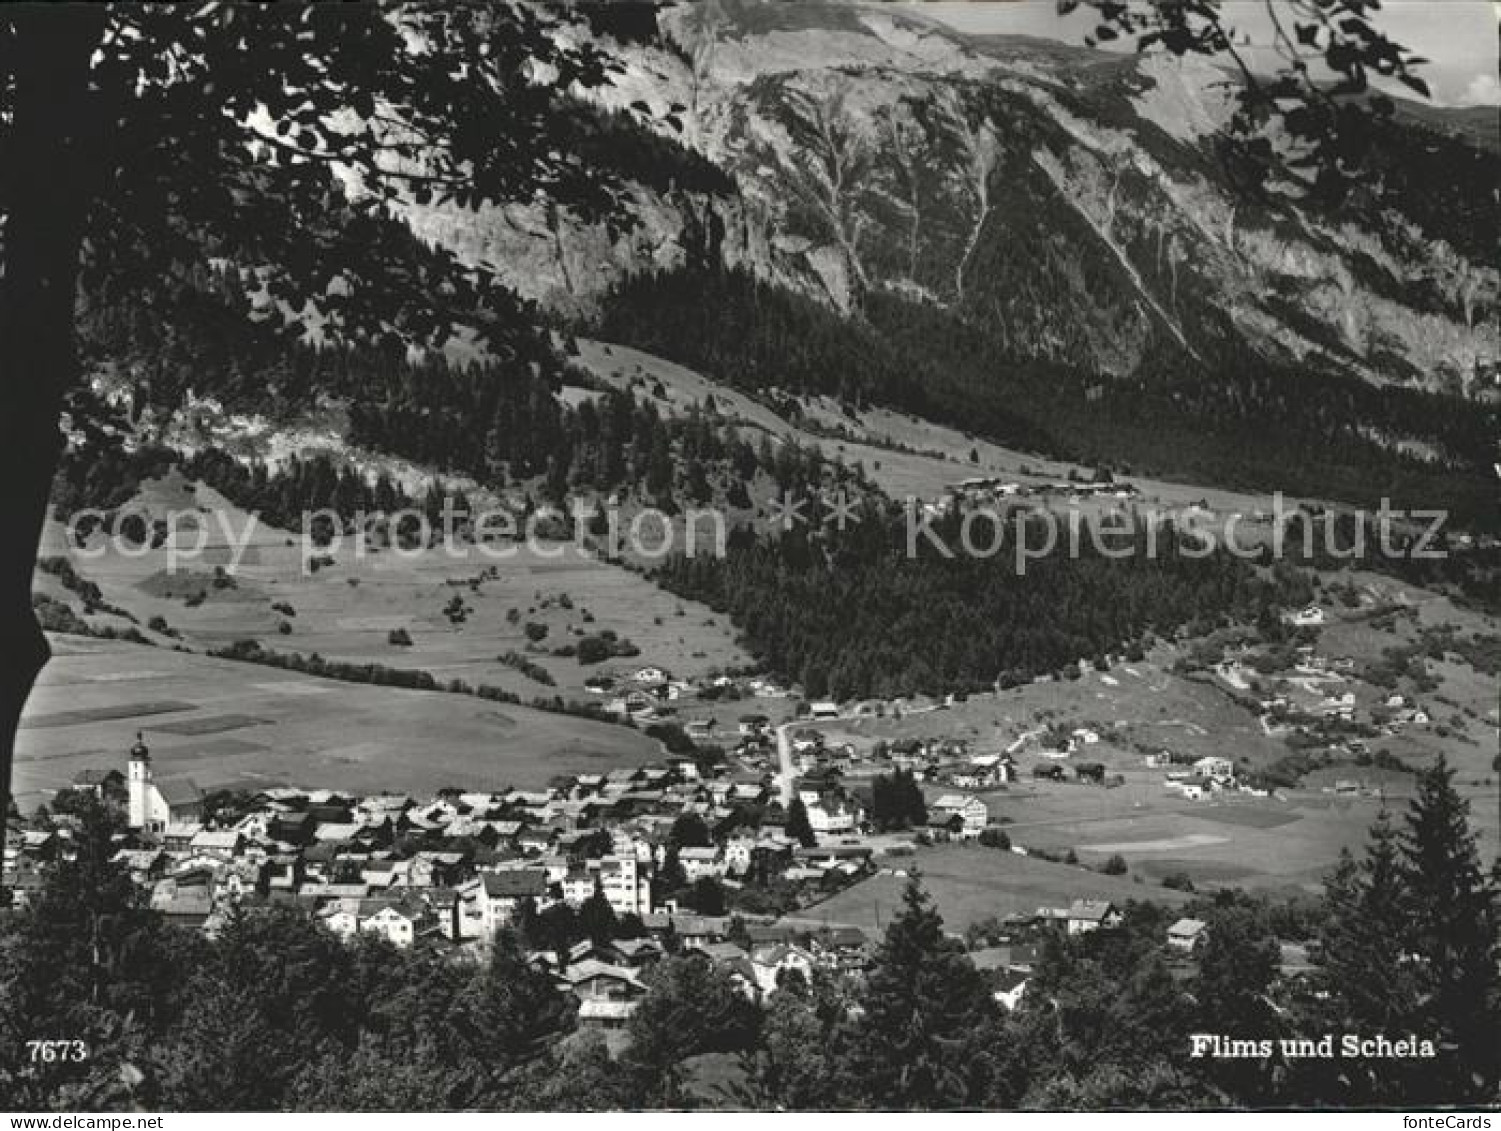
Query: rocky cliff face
[(1070, 199)]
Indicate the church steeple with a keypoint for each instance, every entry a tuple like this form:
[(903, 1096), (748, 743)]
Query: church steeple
[(138, 783)]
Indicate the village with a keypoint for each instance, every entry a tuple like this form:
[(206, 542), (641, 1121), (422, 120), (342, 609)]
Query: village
[(685, 857)]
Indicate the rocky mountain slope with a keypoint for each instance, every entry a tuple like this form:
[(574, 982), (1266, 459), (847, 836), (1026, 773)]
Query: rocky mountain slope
[(1070, 200)]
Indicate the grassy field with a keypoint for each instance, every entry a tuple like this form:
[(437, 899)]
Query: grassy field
[(1259, 843), (969, 884), (224, 723), (1280, 843), (348, 610)]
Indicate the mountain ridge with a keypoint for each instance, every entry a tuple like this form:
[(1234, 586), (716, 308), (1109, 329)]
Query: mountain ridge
[(1070, 198)]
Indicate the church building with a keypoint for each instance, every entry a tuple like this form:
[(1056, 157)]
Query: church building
[(156, 804)]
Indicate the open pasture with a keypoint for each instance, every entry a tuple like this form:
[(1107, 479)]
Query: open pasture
[(969, 884), (1273, 845), (350, 609), (235, 723)]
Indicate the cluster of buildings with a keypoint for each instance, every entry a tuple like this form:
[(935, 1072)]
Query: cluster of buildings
[(645, 694), (450, 871), (1200, 778), (990, 488), (455, 868), (1008, 967), (608, 979)]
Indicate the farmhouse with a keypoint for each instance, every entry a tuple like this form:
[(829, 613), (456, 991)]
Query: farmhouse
[(395, 922), (753, 726), (985, 771), (1186, 934), (1010, 986), (1214, 767), (1085, 915), (769, 963), (827, 815), (607, 995), (699, 863)]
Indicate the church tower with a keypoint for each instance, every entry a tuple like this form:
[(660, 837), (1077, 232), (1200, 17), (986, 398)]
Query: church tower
[(138, 779)]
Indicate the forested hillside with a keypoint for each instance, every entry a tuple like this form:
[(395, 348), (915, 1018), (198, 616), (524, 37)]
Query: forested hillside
[(1240, 422), (854, 615)]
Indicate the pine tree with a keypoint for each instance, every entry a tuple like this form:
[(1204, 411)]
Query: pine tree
[(596, 918), (1367, 935), (798, 826), (1369, 971), (1454, 928), (1237, 965), (931, 1036)]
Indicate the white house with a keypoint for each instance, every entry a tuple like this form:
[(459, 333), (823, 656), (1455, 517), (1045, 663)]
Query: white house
[(391, 922), (1214, 767), (1085, 915), (737, 854), (1013, 986), (340, 918), (769, 962), (700, 862), (578, 886), (970, 810), (1307, 617), (501, 893)]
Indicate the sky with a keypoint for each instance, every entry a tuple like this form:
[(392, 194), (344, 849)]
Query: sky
[(1458, 37)]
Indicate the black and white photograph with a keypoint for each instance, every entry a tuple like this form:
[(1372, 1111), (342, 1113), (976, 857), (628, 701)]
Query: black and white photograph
[(750, 556)]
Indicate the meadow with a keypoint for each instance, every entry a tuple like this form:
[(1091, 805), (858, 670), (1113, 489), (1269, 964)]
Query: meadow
[(970, 884), (349, 608), (225, 724)]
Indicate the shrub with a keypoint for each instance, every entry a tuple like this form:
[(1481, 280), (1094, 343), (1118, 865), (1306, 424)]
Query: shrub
[(528, 668), (1115, 866), (995, 838), (400, 637), (594, 650)]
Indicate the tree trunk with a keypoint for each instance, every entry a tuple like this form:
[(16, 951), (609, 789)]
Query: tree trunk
[(48, 173)]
